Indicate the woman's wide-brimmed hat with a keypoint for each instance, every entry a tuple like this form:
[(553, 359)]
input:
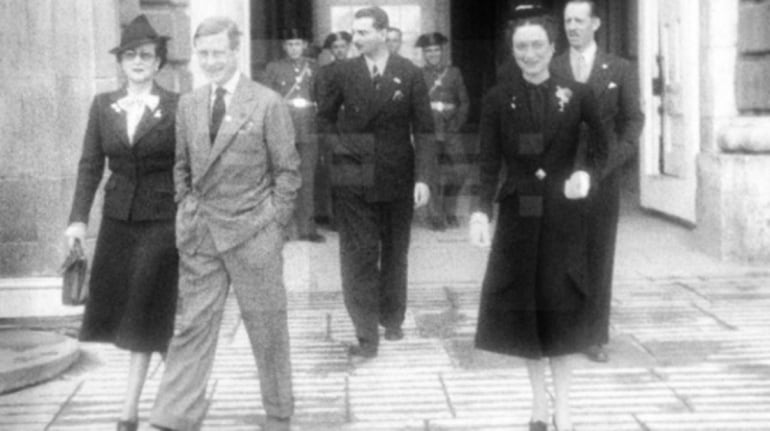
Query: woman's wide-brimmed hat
[(138, 32)]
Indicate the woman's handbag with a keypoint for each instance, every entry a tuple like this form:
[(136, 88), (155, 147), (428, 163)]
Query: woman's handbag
[(74, 272)]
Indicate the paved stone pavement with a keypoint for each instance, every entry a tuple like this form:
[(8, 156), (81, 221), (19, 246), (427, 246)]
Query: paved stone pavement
[(690, 350)]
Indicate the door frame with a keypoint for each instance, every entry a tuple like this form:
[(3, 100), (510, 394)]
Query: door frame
[(670, 195)]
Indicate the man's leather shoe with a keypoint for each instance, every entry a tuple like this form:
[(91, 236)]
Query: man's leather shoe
[(363, 350), (393, 334), (538, 426), (125, 425), (597, 353)]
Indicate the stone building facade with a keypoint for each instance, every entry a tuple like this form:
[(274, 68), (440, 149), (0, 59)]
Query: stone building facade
[(56, 58)]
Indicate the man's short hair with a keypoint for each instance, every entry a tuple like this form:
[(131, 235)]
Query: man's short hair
[(378, 16), (218, 24), (591, 4)]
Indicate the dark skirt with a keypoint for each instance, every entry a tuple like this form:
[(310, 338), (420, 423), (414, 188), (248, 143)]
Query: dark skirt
[(133, 285), (533, 304)]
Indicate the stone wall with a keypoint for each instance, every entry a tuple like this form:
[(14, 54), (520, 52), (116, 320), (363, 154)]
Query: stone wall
[(753, 84), (53, 63), (733, 197)]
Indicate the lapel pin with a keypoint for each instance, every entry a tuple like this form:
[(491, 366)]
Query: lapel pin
[(540, 174), (604, 65), (612, 85), (513, 102), (397, 80), (228, 118)]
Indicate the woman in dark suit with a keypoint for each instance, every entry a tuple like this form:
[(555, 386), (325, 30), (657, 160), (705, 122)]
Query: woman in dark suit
[(533, 302), (133, 284)]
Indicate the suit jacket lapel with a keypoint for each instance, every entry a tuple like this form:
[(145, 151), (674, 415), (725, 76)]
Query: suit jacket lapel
[(365, 87), (150, 119), (387, 87), (552, 115), (236, 114), (118, 117), (600, 74)]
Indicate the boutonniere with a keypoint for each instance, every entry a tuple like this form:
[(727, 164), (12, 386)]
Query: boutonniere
[(158, 114), (612, 85), (398, 95), (604, 66), (513, 102), (228, 118), (116, 108), (564, 95), (397, 80)]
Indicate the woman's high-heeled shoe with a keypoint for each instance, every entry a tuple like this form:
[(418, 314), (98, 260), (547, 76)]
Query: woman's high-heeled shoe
[(538, 426), (128, 425)]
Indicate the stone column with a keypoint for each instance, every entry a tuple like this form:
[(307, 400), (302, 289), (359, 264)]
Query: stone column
[(733, 192), (55, 58)]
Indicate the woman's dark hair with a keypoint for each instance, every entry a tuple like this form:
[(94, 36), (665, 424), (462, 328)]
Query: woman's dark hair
[(334, 37), (547, 21), (161, 51)]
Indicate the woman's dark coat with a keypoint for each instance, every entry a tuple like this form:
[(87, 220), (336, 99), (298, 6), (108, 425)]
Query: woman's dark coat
[(535, 289)]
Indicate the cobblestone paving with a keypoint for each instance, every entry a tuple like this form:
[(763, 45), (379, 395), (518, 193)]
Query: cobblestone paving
[(690, 350)]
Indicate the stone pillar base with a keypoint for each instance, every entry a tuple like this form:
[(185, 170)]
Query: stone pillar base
[(734, 206)]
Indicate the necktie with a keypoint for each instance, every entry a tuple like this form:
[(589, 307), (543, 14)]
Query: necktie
[(581, 69), (376, 77), (217, 113)]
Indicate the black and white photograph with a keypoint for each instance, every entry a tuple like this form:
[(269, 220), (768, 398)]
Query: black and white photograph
[(385, 215)]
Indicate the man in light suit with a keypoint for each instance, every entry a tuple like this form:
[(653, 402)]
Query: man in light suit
[(614, 83), (236, 178), (379, 176)]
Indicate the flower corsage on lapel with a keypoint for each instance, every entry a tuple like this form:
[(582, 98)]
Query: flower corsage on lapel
[(513, 102), (563, 95), (116, 108), (398, 94)]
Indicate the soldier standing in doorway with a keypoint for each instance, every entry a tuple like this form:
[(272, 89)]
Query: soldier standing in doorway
[(293, 77), (449, 103)]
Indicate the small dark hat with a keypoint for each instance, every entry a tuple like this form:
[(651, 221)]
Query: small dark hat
[(431, 39), (138, 32), (528, 10), (290, 33), (333, 37)]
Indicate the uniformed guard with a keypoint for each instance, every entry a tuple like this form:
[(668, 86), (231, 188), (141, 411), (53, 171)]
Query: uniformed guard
[(293, 77), (449, 103)]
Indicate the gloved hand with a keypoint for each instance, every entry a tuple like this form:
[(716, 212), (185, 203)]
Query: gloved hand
[(75, 232), (478, 230), (578, 185), (421, 194)]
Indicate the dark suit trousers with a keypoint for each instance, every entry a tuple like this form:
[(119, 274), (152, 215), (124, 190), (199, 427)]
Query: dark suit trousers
[(602, 236), (374, 242), (255, 271)]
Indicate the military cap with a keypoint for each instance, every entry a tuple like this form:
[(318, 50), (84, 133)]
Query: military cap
[(431, 39)]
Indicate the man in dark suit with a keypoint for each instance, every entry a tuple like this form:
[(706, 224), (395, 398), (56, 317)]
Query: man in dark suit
[(236, 178), (616, 87), (379, 177)]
